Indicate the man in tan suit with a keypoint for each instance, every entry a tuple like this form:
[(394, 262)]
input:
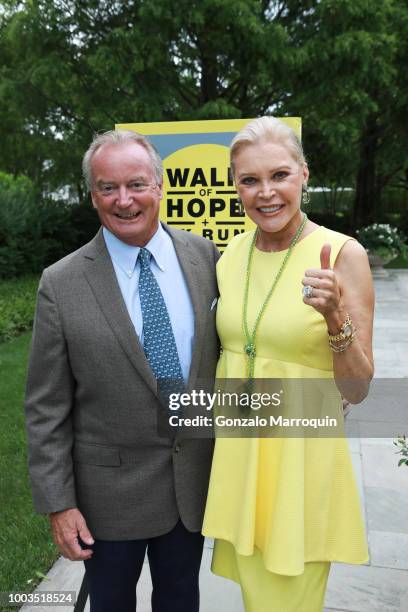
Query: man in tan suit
[(114, 320)]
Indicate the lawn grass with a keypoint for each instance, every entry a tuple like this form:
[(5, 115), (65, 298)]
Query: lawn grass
[(26, 547), (17, 304)]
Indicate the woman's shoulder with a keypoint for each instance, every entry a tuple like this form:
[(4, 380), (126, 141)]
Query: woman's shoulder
[(337, 240), (330, 235), (345, 248)]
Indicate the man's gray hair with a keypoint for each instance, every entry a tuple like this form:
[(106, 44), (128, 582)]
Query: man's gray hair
[(118, 137)]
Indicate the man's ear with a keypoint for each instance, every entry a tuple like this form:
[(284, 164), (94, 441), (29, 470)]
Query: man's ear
[(160, 186), (93, 200)]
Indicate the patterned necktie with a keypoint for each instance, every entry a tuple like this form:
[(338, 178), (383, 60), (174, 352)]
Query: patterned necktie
[(159, 343)]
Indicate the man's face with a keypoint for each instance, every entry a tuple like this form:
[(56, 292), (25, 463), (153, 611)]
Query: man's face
[(125, 192)]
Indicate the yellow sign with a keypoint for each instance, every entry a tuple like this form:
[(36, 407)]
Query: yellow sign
[(199, 193)]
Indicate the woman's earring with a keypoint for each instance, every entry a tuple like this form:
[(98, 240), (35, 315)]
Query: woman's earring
[(241, 207), (305, 194)]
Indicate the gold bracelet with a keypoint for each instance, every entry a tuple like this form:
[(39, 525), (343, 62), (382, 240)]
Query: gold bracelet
[(346, 331), (340, 348)]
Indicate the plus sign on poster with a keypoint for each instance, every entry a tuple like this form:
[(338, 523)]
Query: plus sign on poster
[(199, 193)]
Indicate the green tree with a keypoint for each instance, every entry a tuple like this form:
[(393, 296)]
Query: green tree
[(350, 88), (70, 68)]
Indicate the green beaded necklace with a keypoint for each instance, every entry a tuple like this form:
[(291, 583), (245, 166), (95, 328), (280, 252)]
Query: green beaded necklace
[(249, 347)]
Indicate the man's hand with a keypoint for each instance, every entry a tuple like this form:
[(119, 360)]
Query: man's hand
[(66, 526)]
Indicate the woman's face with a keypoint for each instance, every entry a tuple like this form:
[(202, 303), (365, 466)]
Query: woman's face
[(269, 182)]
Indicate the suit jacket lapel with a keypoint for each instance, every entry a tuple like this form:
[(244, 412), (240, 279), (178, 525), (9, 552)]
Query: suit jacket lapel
[(191, 267), (101, 277)]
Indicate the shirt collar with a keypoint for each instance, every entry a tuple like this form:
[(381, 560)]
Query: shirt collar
[(125, 255)]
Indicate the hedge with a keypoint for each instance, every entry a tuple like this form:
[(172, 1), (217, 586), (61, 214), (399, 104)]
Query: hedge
[(17, 305)]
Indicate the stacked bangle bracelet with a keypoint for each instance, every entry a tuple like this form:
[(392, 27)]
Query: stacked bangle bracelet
[(347, 333)]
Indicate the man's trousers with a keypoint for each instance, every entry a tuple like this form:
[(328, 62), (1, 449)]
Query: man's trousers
[(174, 559)]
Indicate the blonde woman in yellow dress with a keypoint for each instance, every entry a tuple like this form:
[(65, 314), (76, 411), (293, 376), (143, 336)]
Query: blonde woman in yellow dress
[(296, 301)]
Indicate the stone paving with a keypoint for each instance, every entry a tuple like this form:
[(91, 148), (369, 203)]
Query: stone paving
[(382, 584)]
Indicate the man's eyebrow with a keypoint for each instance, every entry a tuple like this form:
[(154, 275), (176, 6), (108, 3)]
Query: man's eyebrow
[(103, 182)]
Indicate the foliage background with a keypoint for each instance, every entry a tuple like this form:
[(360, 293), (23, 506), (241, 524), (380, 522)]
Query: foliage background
[(72, 68)]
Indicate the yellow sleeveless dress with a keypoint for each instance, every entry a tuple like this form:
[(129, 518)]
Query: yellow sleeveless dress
[(281, 509)]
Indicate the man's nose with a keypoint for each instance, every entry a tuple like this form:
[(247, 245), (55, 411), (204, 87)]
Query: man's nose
[(123, 196)]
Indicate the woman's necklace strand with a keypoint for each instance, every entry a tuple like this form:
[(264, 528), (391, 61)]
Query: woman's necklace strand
[(250, 348)]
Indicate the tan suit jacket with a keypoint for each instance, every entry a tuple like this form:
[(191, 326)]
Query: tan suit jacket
[(92, 404)]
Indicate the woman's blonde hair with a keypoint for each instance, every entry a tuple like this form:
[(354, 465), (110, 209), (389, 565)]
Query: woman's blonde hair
[(267, 129)]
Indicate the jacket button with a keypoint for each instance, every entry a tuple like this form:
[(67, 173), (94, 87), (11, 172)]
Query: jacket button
[(177, 448)]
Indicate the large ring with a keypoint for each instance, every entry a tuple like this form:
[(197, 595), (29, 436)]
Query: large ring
[(308, 291)]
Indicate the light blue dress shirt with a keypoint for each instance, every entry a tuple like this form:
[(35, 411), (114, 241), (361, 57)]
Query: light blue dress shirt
[(167, 271)]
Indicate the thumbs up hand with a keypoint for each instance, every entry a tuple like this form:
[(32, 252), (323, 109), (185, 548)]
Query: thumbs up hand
[(325, 257), (320, 286)]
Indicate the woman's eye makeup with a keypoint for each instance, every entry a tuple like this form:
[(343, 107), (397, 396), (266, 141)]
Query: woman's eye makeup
[(280, 175), (248, 180)]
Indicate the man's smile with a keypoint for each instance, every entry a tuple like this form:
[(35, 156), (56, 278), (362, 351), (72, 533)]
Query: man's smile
[(131, 215)]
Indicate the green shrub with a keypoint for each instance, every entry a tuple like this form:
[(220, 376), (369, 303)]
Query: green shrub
[(35, 232), (28, 226), (402, 445), (382, 239), (17, 305)]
